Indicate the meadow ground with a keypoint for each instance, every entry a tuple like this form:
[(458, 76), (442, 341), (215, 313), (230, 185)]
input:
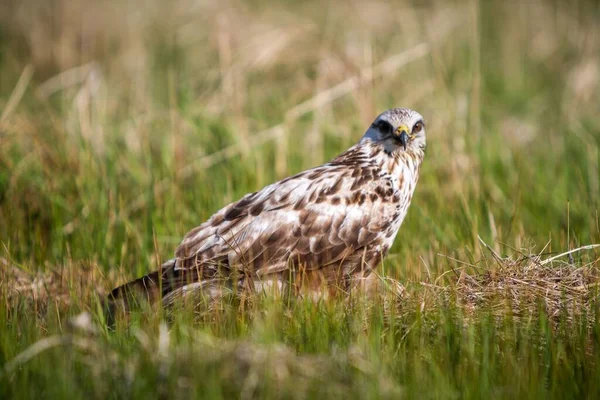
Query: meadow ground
[(123, 124)]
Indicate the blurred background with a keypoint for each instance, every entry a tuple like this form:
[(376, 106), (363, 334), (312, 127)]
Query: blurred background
[(124, 124)]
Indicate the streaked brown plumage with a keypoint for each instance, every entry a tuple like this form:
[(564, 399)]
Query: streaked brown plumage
[(321, 227)]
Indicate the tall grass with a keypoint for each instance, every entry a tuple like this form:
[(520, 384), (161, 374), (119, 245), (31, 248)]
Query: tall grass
[(124, 124)]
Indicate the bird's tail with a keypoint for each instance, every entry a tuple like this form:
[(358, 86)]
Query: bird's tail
[(156, 286)]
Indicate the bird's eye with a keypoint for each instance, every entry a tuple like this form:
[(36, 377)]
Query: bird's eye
[(418, 127)]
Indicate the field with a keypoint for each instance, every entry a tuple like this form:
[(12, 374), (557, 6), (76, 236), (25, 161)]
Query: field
[(124, 124)]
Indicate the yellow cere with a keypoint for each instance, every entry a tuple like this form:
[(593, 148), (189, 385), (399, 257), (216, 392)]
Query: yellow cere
[(403, 128)]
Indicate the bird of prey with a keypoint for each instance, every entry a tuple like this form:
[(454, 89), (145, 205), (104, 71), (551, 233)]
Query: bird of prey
[(308, 233)]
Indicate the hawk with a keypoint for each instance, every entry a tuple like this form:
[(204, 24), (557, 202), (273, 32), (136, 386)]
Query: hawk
[(317, 230)]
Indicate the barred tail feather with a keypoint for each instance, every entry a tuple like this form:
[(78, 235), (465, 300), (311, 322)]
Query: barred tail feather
[(153, 287), (148, 287)]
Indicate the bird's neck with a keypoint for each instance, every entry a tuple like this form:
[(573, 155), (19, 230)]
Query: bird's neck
[(402, 165), (401, 162)]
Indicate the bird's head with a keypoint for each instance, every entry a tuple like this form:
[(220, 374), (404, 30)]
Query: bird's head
[(397, 130)]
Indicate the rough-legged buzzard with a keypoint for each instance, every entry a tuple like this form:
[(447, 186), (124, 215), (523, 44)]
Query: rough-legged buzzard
[(318, 229)]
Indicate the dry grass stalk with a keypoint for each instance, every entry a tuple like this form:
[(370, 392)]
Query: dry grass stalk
[(521, 284), (388, 66), (517, 284)]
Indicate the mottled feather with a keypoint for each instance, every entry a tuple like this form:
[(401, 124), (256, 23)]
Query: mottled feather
[(337, 220)]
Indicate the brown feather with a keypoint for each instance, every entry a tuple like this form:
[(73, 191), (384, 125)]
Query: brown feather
[(335, 220)]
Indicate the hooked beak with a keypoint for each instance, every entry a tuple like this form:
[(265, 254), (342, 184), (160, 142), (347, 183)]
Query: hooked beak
[(403, 139), (402, 136)]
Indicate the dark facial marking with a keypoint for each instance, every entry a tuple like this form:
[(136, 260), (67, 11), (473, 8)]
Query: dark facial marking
[(384, 127)]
